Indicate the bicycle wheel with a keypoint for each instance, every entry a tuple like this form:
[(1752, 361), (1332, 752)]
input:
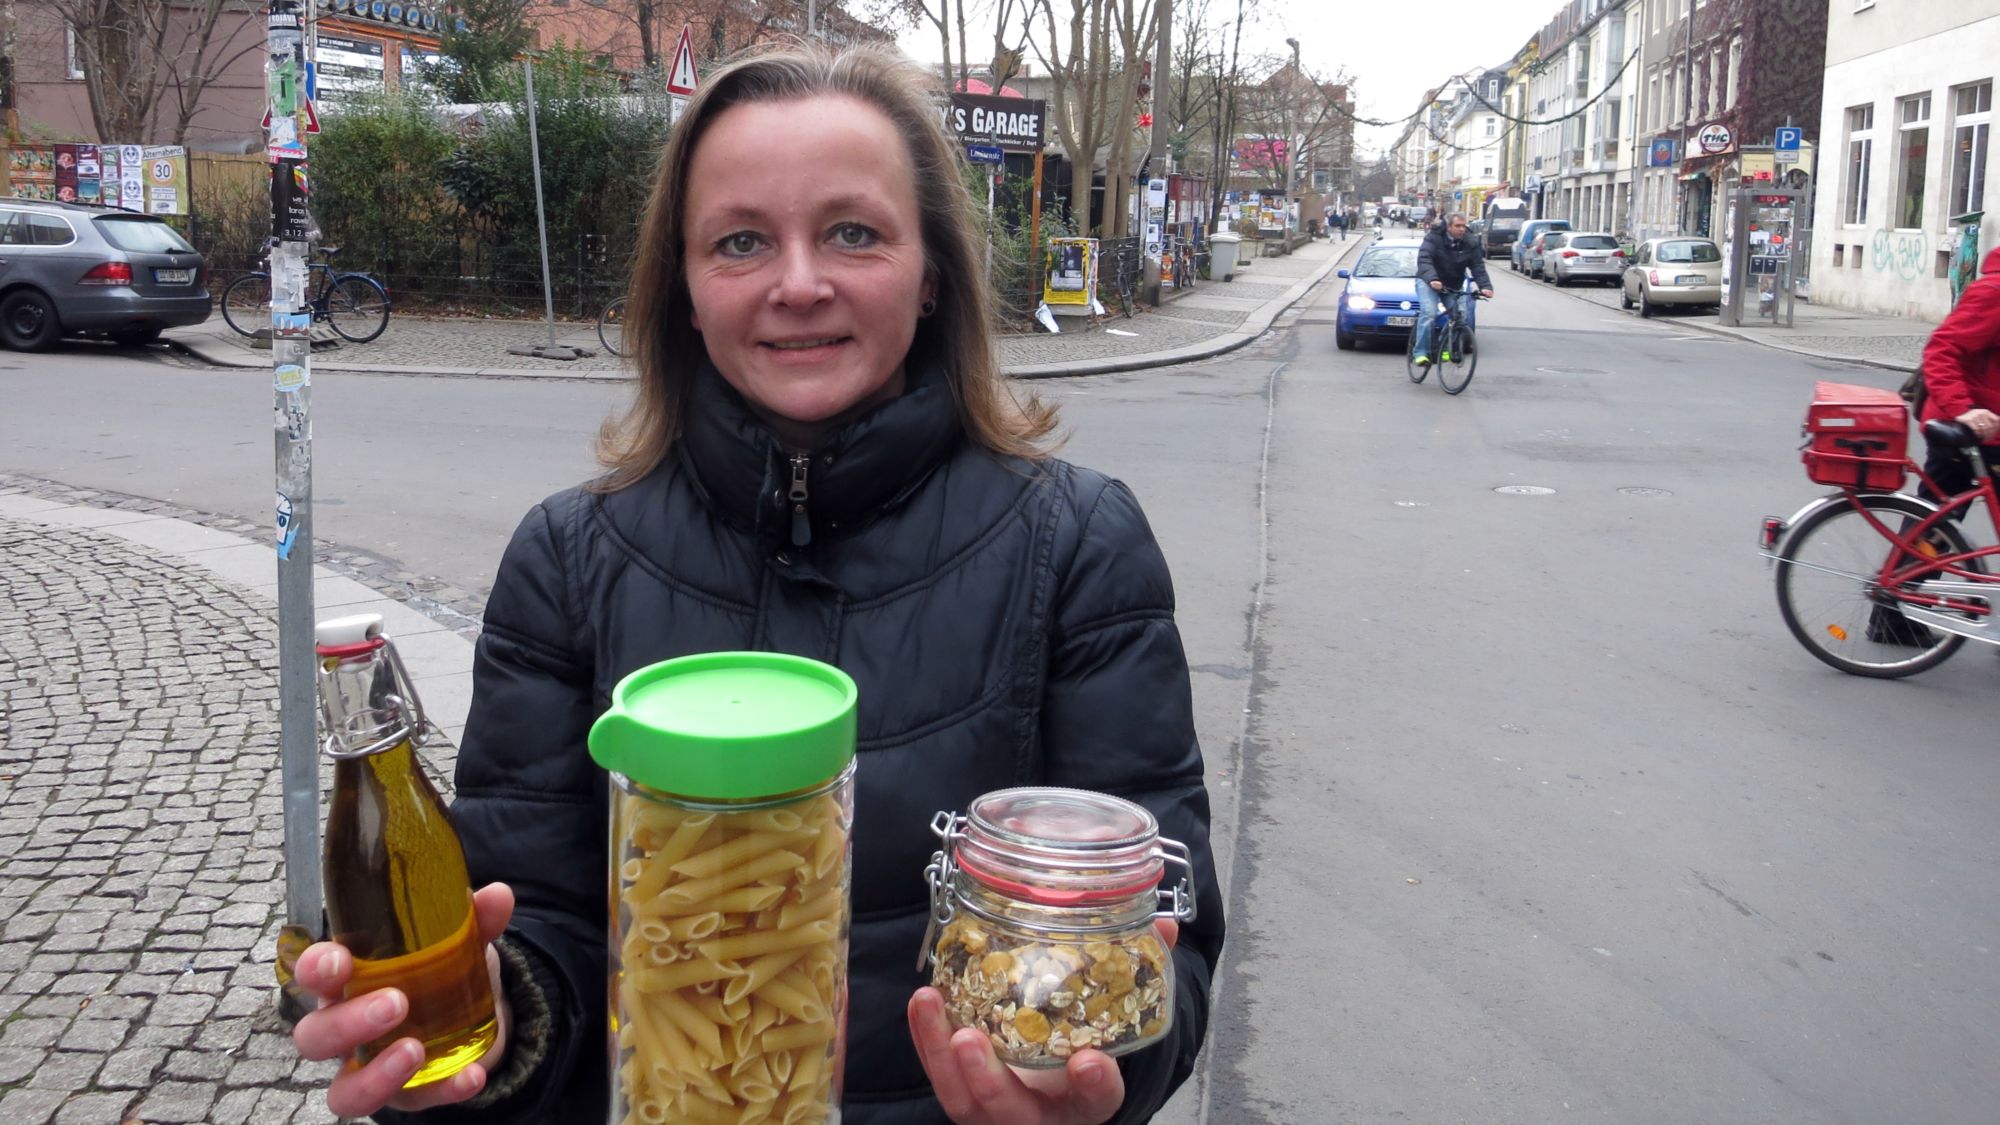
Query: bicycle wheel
[(246, 304), (1410, 364), (1827, 595), (611, 327), (357, 307), (1455, 373)]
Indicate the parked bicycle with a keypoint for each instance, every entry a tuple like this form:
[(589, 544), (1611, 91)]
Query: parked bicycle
[(355, 305), (1454, 349), (611, 326), (1875, 581)]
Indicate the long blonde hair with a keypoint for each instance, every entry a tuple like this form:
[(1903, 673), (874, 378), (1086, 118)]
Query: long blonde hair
[(956, 339)]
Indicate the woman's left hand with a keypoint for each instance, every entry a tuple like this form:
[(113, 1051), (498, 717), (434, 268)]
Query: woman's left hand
[(975, 1088)]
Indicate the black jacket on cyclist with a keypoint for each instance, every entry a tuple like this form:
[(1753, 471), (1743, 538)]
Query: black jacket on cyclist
[(1444, 258)]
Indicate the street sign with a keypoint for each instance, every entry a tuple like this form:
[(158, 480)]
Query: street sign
[(681, 77), (1785, 156), (985, 154), (1660, 153), (1788, 138)]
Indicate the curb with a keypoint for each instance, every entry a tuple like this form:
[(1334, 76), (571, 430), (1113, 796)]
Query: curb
[(1253, 326), (1728, 333)]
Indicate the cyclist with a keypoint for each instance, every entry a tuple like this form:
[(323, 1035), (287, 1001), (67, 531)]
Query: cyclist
[(1448, 252)]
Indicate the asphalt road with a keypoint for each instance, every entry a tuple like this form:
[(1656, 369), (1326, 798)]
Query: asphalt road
[(1528, 807)]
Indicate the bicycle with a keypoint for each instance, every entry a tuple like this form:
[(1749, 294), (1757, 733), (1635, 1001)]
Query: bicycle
[(1454, 349), (1869, 599), (354, 304), (611, 326)]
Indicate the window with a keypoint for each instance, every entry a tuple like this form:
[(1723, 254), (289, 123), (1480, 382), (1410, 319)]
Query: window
[(1492, 126), (1860, 155), (47, 230), (1913, 152), (73, 64), (1716, 70), (1672, 104), (1735, 72), (1652, 102), (1972, 113)]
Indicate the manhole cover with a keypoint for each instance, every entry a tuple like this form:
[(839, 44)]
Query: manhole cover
[(1636, 490), (1524, 490), (1572, 371)]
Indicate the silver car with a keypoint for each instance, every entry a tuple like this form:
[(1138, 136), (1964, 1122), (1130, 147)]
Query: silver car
[(1673, 271), (1586, 256), (69, 269)]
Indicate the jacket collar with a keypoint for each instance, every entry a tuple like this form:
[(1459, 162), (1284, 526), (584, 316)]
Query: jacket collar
[(747, 476)]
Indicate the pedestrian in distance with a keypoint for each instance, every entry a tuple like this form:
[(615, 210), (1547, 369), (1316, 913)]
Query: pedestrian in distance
[(1447, 256), (823, 458)]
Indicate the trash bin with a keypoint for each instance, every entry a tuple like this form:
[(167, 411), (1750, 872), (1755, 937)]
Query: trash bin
[(1222, 255)]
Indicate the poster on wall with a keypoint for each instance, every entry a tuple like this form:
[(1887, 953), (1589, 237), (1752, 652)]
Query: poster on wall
[(153, 179), (1071, 277)]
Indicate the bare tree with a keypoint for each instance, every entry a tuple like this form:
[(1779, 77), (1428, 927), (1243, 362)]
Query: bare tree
[(1136, 29), (148, 60)]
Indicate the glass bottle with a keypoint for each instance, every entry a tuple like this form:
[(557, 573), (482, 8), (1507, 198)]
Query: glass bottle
[(397, 894), (1043, 903)]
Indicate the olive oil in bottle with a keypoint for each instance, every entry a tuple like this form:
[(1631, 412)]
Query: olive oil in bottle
[(397, 894)]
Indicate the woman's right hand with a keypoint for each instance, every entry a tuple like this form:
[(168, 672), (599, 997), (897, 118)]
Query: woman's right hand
[(1983, 422), (339, 1026)]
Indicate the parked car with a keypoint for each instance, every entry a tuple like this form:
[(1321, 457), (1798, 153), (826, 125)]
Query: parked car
[(70, 269), (1586, 256), (1536, 261), (1531, 230), (1380, 300), (1673, 271)]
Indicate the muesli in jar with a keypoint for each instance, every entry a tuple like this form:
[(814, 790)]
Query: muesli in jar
[(1043, 909)]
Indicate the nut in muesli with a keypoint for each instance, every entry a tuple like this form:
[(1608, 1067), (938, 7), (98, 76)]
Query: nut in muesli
[(1041, 999)]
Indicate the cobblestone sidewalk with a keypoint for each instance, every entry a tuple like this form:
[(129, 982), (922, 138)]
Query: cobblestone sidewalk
[(139, 842)]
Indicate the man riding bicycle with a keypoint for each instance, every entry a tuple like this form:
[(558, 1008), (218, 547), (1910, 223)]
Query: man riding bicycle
[(1448, 252)]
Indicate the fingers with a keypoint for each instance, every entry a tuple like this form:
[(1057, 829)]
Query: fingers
[(1096, 1087), (363, 1090), (493, 906), (324, 968), (931, 1032), (445, 1091), (1169, 930), (336, 1029)]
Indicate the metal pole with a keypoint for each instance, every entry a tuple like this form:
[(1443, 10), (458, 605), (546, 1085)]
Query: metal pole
[(286, 27), (541, 217)]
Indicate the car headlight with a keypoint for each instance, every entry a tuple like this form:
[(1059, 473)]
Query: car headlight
[(1360, 302)]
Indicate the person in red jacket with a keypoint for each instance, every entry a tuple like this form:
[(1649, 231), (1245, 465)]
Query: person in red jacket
[(1961, 384)]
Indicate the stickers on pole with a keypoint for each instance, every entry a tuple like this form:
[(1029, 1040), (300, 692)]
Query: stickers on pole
[(288, 530)]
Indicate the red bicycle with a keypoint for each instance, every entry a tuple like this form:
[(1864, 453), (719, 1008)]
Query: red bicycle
[(1871, 580)]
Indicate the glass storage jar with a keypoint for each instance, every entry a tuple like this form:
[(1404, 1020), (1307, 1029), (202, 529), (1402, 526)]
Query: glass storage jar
[(1042, 909), (732, 798)]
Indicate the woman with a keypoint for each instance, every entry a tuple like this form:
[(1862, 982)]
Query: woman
[(822, 459)]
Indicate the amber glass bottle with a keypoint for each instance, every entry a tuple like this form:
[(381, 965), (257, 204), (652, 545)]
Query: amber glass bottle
[(397, 895)]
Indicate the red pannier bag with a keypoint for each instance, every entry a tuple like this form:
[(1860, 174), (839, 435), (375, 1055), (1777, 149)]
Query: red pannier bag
[(1856, 437)]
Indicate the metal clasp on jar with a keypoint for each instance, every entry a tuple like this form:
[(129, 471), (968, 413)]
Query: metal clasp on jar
[(411, 722), (945, 826)]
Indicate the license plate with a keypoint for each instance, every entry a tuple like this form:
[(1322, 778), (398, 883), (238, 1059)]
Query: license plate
[(173, 277), (1402, 321), (1689, 279), (1593, 258)]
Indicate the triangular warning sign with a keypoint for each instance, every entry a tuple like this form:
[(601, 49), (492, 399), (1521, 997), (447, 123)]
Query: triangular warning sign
[(312, 118), (681, 77)]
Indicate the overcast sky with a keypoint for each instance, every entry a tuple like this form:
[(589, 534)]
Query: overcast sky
[(1393, 51)]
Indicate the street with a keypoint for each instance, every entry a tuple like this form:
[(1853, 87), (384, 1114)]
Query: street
[(1527, 805)]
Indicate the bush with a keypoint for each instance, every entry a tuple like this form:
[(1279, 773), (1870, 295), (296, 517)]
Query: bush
[(378, 189)]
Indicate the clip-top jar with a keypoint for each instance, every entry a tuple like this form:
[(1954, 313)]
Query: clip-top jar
[(1042, 909), (732, 798)]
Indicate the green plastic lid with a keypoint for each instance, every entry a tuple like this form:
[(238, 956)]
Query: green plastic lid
[(729, 725)]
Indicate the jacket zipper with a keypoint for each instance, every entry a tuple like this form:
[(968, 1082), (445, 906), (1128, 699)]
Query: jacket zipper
[(798, 496)]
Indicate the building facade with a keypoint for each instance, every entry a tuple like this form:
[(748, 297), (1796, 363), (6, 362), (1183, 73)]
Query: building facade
[(1905, 136)]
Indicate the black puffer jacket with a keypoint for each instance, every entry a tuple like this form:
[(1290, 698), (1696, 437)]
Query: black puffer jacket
[(1447, 259), (1008, 623)]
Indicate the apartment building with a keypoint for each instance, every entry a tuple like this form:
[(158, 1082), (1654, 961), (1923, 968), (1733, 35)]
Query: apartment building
[(1905, 134)]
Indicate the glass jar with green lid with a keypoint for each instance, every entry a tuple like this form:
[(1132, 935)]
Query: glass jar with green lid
[(731, 804), (1043, 904)]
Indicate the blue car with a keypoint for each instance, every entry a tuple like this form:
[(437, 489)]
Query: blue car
[(1380, 300)]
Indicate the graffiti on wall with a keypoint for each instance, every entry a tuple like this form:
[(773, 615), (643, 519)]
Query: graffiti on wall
[(1897, 252)]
